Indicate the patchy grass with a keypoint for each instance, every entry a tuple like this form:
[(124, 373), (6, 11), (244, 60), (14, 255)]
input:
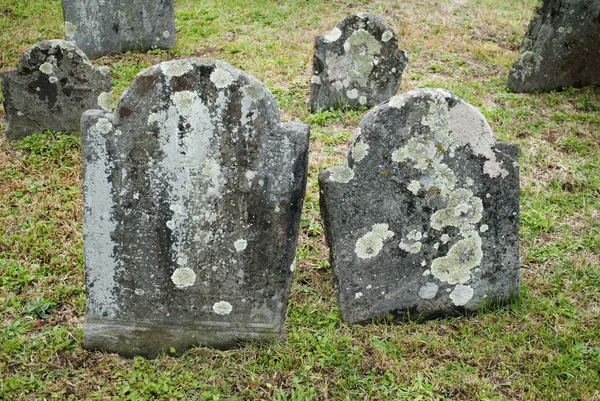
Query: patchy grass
[(547, 346)]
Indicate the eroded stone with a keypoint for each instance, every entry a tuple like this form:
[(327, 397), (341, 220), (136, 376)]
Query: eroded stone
[(426, 222), (53, 84), (357, 64), (108, 26), (560, 48), (193, 190)]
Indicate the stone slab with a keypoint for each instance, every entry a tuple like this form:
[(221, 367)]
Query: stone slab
[(560, 48), (101, 27), (53, 84), (357, 65), (193, 190), (423, 219)]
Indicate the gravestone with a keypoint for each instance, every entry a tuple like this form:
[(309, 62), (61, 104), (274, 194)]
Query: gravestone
[(357, 64), (423, 219), (193, 190), (101, 27), (53, 84), (560, 48)]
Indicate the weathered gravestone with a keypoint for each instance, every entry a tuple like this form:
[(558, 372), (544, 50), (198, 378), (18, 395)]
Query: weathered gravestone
[(561, 47), (423, 219), (357, 64), (53, 84), (193, 190), (101, 27)]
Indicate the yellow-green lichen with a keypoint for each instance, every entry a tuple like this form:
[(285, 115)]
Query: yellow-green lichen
[(455, 268)]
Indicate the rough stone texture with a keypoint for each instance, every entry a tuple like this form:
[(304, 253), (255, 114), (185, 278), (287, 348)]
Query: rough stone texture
[(560, 48), (357, 64), (101, 27), (423, 219), (193, 190), (53, 85)]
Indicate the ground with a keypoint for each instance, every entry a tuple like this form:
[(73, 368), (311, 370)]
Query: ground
[(544, 347)]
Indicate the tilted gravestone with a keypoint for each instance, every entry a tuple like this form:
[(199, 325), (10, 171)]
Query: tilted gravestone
[(357, 64), (560, 47), (423, 219), (53, 84), (101, 27), (193, 190)]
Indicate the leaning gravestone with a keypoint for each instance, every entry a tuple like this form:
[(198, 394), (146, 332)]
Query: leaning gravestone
[(192, 197), (357, 64), (423, 219), (560, 48), (53, 84), (101, 27)]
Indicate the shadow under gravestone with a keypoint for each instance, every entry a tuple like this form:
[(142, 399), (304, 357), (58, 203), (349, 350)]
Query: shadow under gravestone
[(193, 190), (423, 221)]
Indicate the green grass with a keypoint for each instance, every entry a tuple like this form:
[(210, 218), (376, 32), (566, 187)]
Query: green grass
[(544, 347)]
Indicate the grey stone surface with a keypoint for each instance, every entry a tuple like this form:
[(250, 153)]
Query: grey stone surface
[(357, 64), (423, 219), (53, 84), (560, 48), (101, 27), (193, 190)]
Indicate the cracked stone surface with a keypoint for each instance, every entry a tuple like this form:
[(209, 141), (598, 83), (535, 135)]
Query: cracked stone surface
[(193, 190), (101, 27), (560, 48), (423, 218), (357, 64), (53, 84)]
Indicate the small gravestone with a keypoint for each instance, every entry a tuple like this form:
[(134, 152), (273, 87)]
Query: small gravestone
[(53, 84), (423, 219), (101, 27), (560, 48), (357, 64), (193, 190)]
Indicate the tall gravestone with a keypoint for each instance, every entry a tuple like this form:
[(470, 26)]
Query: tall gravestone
[(357, 64), (560, 48), (423, 219), (101, 27), (193, 190), (53, 84)]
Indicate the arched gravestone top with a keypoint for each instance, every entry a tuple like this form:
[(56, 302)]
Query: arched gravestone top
[(423, 218), (193, 190), (357, 64), (560, 48), (53, 84), (101, 27)]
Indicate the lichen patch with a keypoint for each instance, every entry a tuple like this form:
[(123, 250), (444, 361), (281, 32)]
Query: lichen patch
[(46, 68), (222, 308), (461, 294), (428, 291), (104, 125), (341, 174), (221, 78), (105, 101), (240, 245), (183, 277), (455, 267), (370, 244)]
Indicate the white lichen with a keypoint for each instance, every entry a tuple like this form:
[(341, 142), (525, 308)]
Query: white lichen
[(352, 93), (176, 68), (358, 295), (183, 277), (428, 291), (105, 101), (387, 35), (166, 34), (484, 228), (455, 267), (334, 35), (315, 79), (359, 151), (397, 101), (293, 266), (70, 29), (414, 187), (184, 101), (240, 245), (221, 78), (463, 211), (46, 68), (461, 294), (104, 125), (341, 174), (370, 244), (222, 308), (53, 80)]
